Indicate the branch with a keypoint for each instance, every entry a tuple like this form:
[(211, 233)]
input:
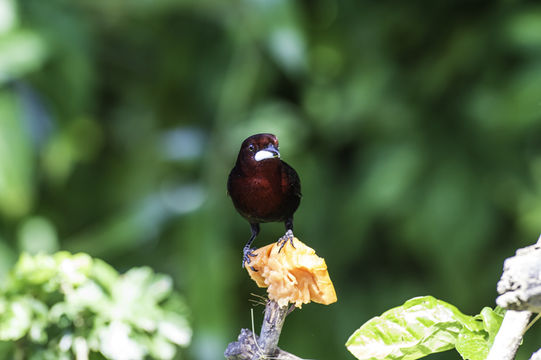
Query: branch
[(509, 336), (245, 348), (520, 293), (271, 328), (252, 347), (520, 284)]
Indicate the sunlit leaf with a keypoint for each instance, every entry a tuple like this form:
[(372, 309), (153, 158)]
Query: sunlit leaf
[(160, 348), (175, 329), (421, 326), (104, 274), (472, 345), (78, 306), (34, 269), (15, 318), (73, 269), (116, 343), (475, 345), (492, 320)]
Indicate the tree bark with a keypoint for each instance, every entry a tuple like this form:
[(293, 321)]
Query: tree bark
[(509, 336), (520, 293), (252, 347)]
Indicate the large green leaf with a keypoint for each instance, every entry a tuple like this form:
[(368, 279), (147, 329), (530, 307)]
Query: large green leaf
[(422, 326)]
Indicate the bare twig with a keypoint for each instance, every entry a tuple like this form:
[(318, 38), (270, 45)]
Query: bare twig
[(251, 347), (273, 321)]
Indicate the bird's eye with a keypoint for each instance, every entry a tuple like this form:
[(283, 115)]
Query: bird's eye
[(251, 147)]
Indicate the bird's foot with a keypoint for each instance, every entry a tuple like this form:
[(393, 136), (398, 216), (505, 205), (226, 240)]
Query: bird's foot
[(248, 253), (284, 239)]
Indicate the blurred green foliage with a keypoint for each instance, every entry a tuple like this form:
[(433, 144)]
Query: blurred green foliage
[(413, 125), (68, 306)]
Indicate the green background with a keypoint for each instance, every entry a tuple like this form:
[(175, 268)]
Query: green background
[(414, 127)]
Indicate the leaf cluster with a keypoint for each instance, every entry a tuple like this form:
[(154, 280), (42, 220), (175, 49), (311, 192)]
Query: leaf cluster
[(67, 306)]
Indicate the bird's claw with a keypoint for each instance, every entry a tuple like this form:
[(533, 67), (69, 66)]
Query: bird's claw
[(246, 258), (288, 236)]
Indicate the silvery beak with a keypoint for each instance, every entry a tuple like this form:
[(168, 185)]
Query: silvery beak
[(267, 153)]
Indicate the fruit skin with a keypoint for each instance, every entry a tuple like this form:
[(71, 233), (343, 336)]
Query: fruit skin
[(292, 275)]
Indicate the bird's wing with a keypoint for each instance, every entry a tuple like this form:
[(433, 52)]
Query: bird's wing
[(229, 180), (293, 180)]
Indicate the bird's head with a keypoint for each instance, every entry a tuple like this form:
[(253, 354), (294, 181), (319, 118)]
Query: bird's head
[(259, 148)]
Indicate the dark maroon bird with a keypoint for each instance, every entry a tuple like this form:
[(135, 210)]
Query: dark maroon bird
[(263, 187)]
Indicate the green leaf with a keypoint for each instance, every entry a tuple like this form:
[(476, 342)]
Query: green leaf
[(472, 345), (116, 342), (73, 269), (421, 326), (160, 348), (175, 329), (492, 320), (34, 270), (104, 274), (87, 296), (15, 318), (37, 332), (475, 345)]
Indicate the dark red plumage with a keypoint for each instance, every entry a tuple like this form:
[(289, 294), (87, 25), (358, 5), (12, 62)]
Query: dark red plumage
[(263, 187)]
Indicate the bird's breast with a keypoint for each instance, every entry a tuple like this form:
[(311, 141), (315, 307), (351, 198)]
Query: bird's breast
[(260, 198)]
